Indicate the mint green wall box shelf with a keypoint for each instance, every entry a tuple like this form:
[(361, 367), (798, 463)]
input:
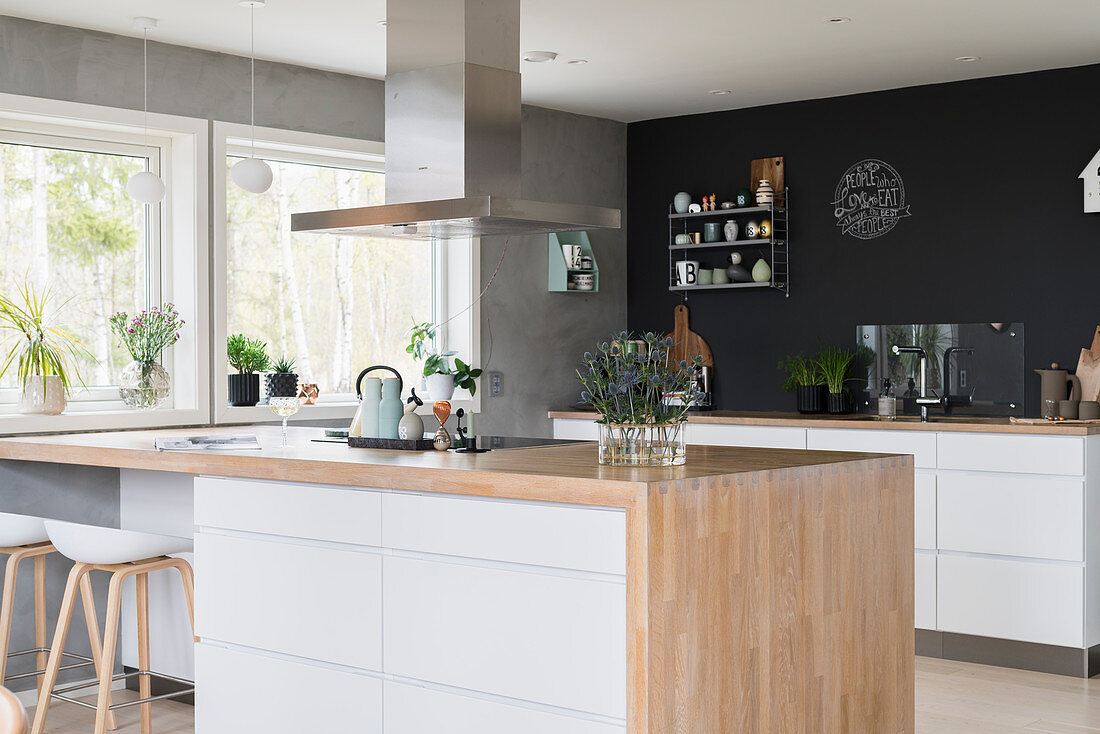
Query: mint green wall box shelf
[(557, 272)]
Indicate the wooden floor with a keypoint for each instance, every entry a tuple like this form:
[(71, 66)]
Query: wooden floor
[(952, 698)]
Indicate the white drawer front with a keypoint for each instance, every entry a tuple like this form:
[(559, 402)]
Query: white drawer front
[(922, 445), (240, 692), (550, 639), (924, 509), (413, 710), (1002, 452), (314, 603), (588, 539), (581, 430), (1015, 600), (924, 577), (294, 510), (1012, 515), (768, 437)]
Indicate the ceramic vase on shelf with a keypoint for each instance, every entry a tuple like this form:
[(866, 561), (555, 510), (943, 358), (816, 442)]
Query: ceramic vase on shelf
[(144, 385), (730, 231), (681, 202), (440, 386), (764, 193), (761, 271), (43, 396)]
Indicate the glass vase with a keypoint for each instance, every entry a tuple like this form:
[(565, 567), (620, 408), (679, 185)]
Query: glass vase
[(631, 444), (667, 446), (144, 385)]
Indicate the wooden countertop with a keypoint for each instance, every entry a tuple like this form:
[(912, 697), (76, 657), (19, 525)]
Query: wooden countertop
[(902, 423), (563, 473)]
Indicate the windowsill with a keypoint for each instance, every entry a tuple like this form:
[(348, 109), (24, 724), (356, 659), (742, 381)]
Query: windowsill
[(324, 411), (99, 420)]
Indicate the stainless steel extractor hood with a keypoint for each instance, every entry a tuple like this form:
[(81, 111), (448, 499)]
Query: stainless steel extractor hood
[(453, 132)]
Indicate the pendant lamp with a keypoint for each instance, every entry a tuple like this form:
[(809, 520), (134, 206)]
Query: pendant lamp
[(146, 187), (253, 174)]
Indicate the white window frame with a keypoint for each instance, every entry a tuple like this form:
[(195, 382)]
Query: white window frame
[(456, 261), (179, 148)]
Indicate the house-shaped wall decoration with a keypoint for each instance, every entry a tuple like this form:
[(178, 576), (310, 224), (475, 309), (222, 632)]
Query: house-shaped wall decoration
[(1091, 175)]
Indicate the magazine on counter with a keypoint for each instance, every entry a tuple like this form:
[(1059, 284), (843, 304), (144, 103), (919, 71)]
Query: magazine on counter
[(239, 442)]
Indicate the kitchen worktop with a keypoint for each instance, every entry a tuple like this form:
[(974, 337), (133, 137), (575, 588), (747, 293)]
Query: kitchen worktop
[(972, 424)]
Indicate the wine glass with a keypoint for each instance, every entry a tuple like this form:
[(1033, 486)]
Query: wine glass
[(284, 408)]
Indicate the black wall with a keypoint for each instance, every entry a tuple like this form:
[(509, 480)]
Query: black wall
[(997, 231)]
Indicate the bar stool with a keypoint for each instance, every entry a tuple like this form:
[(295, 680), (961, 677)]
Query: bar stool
[(123, 553), (23, 537)]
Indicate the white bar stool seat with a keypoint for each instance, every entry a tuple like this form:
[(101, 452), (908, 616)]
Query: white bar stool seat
[(106, 546), (22, 530)]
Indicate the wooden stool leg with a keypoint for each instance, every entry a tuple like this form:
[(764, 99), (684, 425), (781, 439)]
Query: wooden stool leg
[(187, 576), (7, 609), (110, 642), (92, 622), (68, 602), (144, 681), (40, 615)]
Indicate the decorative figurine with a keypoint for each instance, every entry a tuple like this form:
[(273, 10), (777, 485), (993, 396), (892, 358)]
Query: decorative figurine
[(765, 229), (695, 208), (752, 230), (411, 427), (307, 393)]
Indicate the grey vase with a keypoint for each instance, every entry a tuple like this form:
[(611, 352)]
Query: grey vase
[(681, 202)]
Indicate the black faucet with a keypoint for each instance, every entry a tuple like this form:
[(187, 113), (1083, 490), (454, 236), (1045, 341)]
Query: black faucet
[(949, 400)]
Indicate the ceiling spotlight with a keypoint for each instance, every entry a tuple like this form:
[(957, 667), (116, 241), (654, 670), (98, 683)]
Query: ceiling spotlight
[(381, 24), (577, 61), (539, 57), (720, 91), (837, 20), (968, 59)]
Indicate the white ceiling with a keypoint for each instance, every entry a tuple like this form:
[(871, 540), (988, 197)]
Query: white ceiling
[(657, 58)]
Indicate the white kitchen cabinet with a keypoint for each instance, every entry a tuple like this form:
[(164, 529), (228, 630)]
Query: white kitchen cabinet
[(411, 709), (551, 639), (293, 510), (921, 444), (924, 580), (1018, 454), (587, 539), (771, 437), (1012, 515), (924, 509), (1024, 600), (238, 692), (317, 603)]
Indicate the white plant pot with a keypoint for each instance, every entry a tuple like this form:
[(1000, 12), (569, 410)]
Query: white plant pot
[(440, 387), (43, 396)]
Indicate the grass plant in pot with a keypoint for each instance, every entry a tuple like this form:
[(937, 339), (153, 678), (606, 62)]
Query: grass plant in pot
[(282, 381), (45, 355), (638, 424), (804, 378), (835, 364), (249, 358), (440, 377), (144, 384)]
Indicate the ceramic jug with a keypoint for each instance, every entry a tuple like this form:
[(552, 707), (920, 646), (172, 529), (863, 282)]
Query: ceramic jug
[(1056, 384)]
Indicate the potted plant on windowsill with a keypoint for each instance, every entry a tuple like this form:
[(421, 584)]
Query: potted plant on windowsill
[(835, 364), (249, 358), (804, 378), (440, 377), (144, 384), (44, 353), (640, 423), (282, 381)]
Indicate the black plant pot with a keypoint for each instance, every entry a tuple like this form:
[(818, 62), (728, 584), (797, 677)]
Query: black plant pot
[(281, 384), (839, 403), (244, 389), (811, 398)]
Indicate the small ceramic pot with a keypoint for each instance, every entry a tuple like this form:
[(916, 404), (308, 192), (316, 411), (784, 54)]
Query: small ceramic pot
[(839, 403), (730, 231), (728, 204), (706, 276), (1068, 409), (1088, 410), (712, 232), (681, 202), (43, 395), (440, 387), (682, 239), (764, 193), (687, 272), (720, 276), (810, 398)]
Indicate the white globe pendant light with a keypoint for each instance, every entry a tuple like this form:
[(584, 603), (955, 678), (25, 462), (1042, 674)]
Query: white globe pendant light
[(253, 174), (146, 187)]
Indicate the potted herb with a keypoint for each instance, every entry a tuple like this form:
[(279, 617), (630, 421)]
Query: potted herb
[(282, 381), (249, 358), (45, 354), (835, 364), (643, 399), (144, 383), (804, 378), (440, 377)]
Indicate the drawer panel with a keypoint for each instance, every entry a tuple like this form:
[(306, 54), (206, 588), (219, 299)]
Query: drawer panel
[(315, 603), (588, 539), (413, 710), (921, 444), (582, 430), (1012, 515), (549, 639), (768, 437), (295, 510), (1015, 600), (924, 509), (1002, 452), (924, 576), (237, 692)]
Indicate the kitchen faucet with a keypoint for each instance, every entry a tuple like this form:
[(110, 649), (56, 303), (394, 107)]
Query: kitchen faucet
[(924, 400), (950, 401)]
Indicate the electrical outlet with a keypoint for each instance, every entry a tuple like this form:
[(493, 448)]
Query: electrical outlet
[(496, 384)]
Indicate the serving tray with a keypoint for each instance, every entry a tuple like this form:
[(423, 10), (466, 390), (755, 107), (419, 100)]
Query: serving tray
[(398, 444)]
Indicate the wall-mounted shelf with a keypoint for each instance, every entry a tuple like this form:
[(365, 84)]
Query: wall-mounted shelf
[(558, 272), (776, 246)]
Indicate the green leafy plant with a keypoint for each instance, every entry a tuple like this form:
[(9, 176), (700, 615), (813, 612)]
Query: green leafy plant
[(421, 340), (284, 366), (465, 376), (148, 334), (247, 356), (635, 386), (835, 364), (801, 372), (39, 347)]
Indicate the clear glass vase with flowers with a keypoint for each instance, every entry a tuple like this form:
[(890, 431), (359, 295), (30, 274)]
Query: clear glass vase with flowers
[(144, 384)]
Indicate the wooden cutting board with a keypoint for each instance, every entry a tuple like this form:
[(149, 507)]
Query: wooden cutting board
[(769, 168), (1088, 369), (686, 344)]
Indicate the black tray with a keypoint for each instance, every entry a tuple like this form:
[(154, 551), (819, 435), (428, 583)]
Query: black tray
[(400, 444)]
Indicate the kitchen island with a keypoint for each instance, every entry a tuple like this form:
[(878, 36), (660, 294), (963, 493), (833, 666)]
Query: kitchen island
[(533, 590)]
